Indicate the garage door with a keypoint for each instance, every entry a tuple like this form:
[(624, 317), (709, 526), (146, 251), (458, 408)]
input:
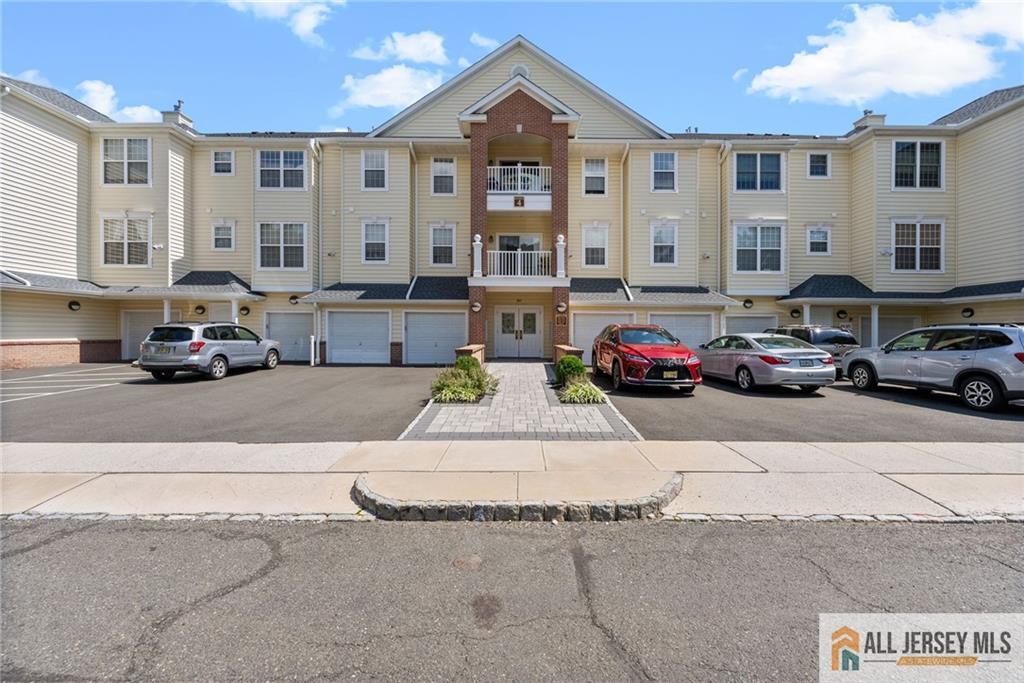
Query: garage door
[(137, 326), (293, 330), (736, 324), (889, 327), (358, 337), (586, 326), (692, 329), (431, 338)]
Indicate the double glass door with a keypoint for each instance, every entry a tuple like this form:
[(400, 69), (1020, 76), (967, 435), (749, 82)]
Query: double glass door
[(518, 331)]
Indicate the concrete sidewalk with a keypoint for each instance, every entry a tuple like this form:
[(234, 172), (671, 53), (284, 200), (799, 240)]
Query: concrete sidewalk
[(731, 478)]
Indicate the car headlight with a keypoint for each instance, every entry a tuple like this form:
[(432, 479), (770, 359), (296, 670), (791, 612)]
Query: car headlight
[(634, 357)]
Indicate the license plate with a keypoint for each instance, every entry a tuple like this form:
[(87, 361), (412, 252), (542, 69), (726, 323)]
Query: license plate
[(671, 374), (806, 363), (164, 349)]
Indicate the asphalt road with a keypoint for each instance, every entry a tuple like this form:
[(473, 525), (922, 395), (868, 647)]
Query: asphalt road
[(407, 601)]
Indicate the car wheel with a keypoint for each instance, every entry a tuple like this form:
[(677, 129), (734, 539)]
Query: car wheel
[(162, 375), (981, 393), (595, 367), (218, 368), (809, 388), (616, 376), (272, 358), (863, 377), (745, 379)]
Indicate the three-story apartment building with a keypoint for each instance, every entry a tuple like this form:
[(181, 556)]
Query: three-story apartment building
[(518, 206)]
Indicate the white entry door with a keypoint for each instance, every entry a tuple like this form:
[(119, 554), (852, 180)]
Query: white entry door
[(518, 331)]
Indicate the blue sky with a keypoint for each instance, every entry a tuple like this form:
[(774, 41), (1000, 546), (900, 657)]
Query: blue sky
[(727, 67)]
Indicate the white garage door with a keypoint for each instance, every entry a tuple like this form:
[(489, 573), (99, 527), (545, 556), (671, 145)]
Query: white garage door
[(293, 330), (358, 337), (692, 329), (889, 327), (431, 338), (137, 326), (737, 324), (586, 326)]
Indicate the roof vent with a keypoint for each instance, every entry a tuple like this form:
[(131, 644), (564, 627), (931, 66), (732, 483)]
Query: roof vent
[(519, 70)]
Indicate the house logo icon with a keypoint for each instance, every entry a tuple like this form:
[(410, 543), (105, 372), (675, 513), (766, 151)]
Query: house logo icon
[(845, 649)]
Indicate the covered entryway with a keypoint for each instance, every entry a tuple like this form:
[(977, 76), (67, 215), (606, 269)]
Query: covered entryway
[(358, 337), (136, 326), (889, 327), (738, 324), (693, 329), (293, 330), (586, 326), (518, 331), (431, 338)]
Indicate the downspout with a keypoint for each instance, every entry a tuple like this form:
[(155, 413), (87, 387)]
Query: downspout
[(622, 216), (319, 221), (723, 154), (415, 217)]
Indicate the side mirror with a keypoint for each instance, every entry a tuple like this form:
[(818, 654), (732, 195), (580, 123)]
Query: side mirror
[(703, 346), (886, 349)]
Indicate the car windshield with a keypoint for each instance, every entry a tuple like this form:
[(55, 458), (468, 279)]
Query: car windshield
[(834, 337), (782, 343), (170, 334), (648, 337)]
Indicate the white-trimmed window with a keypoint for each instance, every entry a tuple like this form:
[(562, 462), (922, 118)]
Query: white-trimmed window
[(819, 165), (126, 161), (282, 246), (223, 238), (917, 164), (758, 172), (819, 240), (442, 244), (375, 169), (375, 240), (663, 171), (595, 177), (758, 248), (222, 162), (918, 245), (127, 240), (282, 169), (442, 176), (595, 245), (664, 236)]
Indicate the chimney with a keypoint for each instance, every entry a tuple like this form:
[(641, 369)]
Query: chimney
[(870, 120), (177, 116)]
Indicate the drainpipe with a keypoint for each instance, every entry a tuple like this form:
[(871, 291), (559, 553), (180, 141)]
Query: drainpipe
[(234, 311), (320, 222), (874, 325), (415, 214), (723, 154), (622, 213), (167, 310), (807, 314)]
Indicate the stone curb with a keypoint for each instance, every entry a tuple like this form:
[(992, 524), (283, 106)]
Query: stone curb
[(889, 518), (204, 517), (645, 507)]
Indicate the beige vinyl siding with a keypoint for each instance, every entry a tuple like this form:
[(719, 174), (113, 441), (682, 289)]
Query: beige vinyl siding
[(707, 218), (217, 198), (627, 221), (585, 210), (680, 207), (44, 192), (444, 209), (821, 202), (284, 206), (315, 188), (745, 207), (862, 211), (440, 119), (993, 311), (25, 315), (179, 208), (990, 201), (520, 147), (519, 224), (331, 219), (392, 204)]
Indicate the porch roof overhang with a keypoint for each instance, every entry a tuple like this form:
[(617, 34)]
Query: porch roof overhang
[(197, 285), (586, 291), (477, 112), (845, 290)]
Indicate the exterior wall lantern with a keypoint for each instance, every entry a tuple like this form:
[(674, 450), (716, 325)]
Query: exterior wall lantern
[(293, 299), (842, 314), (244, 310), (748, 303), (200, 309), (74, 306), (562, 307), (795, 313), (475, 307), (967, 312)]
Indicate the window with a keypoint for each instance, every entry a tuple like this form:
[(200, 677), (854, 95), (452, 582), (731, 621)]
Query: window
[(375, 169), (595, 177), (819, 241), (758, 248), (442, 172), (917, 246), (663, 243), (760, 172), (912, 341), (126, 241), (663, 171), (819, 164), (224, 236), (442, 244), (375, 241), (283, 169), (953, 340), (245, 334), (282, 246), (595, 246), (988, 339), (917, 164), (126, 161), (223, 161)]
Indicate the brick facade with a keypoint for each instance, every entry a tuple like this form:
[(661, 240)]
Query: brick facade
[(31, 354), (396, 353), (477, 322), (560, 295)]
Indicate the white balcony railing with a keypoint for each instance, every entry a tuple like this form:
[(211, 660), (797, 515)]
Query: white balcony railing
[(519, 179), (519, 263)]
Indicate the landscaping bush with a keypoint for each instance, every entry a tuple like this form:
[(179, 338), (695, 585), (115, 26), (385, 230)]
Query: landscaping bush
[(467, 363), (581, 391), (569, 368), (466, 382)]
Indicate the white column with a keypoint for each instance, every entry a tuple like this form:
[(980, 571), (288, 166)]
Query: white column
[(807, 314), (874, 324), (560, 256), (478, 248), (234, 311), (167, 310)]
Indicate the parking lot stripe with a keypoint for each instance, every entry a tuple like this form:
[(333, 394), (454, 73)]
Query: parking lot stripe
[(98, 378), (68, 372), (54, 393)]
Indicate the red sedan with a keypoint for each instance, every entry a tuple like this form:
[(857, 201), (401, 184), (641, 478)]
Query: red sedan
[(645, 354)]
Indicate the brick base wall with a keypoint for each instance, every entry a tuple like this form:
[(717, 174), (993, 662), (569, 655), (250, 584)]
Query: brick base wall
[(396, 353), (477, 322), (323, 352), (561, 333), (33, 354)]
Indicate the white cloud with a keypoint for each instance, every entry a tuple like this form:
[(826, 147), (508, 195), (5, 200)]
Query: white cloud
[(424, 47), (739, 73), (301, 16), (483, 41), (463, 62), (876, 53), (102, 97), (30, 76), (394, 87)]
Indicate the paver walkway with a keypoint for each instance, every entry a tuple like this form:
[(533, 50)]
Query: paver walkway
[(525, 407)]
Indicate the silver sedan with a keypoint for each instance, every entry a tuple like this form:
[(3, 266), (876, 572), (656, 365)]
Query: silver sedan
[(757, 358)]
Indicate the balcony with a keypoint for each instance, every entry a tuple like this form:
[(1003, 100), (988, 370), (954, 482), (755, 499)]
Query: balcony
[(519, 188), (518, 269), (519, 263)]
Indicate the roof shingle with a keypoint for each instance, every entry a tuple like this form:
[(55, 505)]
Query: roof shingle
[(58, 99)]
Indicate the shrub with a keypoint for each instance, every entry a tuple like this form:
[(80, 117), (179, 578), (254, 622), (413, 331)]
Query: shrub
[(581, 392), (467, 363), (461, 385), (456, 394), (569, 368)]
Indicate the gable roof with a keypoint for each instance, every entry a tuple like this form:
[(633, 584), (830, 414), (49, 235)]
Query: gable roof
[(58, 99), (980, 106), (557, 66), (560, 111)]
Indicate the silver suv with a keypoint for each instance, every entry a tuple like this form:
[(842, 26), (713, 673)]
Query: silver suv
[(836, 341), (210, 348), (983, 363)]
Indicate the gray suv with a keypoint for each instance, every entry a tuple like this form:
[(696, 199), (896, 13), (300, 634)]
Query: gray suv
[(983, 363), (836, 341), (210, 348)]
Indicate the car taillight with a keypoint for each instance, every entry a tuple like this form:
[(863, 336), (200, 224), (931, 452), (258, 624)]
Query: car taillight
[(1020, 356), (827, 361), (774, 360), (196, 346)]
